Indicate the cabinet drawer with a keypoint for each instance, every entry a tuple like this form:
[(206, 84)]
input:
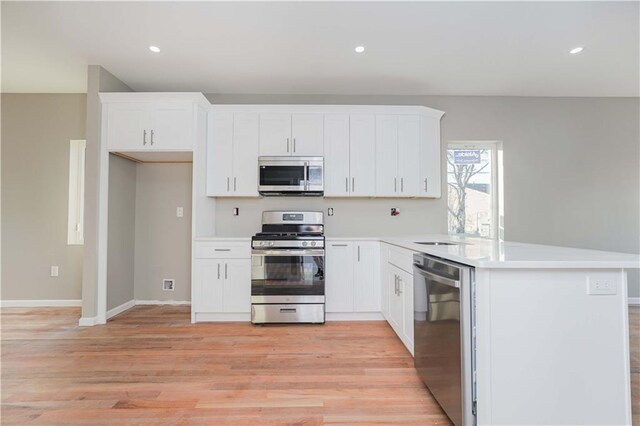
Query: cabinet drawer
[(223, 250), (402, 258)]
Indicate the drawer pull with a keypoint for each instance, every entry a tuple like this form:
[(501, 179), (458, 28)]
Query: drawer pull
[(288, 310), (222, 249), (339, 245)]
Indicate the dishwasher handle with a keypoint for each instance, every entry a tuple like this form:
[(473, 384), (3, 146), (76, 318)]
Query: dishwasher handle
[(437, 278)]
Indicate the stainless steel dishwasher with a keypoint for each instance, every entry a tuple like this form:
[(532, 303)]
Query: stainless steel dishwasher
[(444, 344)]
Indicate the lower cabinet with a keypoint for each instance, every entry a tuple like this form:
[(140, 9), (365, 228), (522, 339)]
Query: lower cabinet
[(397, 292), (221, 285), (352, 280)]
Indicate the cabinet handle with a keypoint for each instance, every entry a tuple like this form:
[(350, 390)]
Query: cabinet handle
[(144, 137), (425, 185), (346, 184), (402, 184), (294, 144), (339, 245), (353, 184), (218, 271), (227, 184), (151, 137), (395, 184), (221, 249), (399, 287), (287, 144), (358, 253), (225, 271), (234, 184), (395, 284)]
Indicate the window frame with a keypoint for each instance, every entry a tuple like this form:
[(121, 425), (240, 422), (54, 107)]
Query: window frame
[(496, 231), (75, 217)]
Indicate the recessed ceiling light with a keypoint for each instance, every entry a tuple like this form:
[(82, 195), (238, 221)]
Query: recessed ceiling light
[(359, 49), (154, 49), (576, 50)]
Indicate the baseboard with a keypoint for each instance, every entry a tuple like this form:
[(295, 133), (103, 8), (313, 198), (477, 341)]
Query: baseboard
[(634, 300), (120, 309), (162, 302), (88, 321), (354, 316), (40, 303)]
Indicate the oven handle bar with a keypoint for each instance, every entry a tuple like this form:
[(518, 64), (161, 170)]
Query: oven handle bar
[(288, 252)]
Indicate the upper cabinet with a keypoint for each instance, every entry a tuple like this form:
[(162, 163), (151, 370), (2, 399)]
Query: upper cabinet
[(298, 135), (150, 121), (368, 151), (397, 155), (350, 155), (232, 154)]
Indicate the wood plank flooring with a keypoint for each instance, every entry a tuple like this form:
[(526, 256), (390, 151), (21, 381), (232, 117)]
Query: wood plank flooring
[(151, 366)]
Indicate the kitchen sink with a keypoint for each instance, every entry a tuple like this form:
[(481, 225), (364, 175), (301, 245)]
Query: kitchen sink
[(435, 243)]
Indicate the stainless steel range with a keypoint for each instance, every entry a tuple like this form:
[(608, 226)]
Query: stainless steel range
[(287, 268)]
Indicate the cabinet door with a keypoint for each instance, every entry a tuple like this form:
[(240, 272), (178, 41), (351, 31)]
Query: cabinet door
[(336, 155), (362, 155), (387, 184), (208, 285), (430, 162), (406, 293), (128, 126), (237, 285), (339, 277), (366, 281), (408, 155), (245, 155), (307, 131), (172, 126), (275, 134), (219, 154), (395, 300)]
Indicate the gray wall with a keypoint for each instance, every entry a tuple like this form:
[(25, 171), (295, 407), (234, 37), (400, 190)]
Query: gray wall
[(99, 80), (36, 130), (571, 172), (163, 241), (122, 234)]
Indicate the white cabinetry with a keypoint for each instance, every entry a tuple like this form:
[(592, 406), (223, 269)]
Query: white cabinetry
[(299, 135), (430, 179), (153, 126), (232, 154), (397, 155), (350, 161), (222, 278), (352, 281), (399, 294)]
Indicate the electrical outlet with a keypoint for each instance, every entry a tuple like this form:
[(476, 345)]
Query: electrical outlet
[(54, 271), (330, 211), (180, 212), (601, 284), (236, 211)]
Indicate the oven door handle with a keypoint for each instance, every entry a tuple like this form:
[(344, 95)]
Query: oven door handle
[(288, 252)]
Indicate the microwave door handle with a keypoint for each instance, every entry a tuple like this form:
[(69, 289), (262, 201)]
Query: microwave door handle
[(306, 175)]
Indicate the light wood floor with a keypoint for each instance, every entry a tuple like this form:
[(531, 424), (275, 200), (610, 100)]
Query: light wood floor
[(151, 366)]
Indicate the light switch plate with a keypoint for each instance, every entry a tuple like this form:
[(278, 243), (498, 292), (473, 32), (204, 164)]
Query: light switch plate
[(54, 271), (179, 212)]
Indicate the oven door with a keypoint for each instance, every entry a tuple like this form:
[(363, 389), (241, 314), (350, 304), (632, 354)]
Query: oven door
[(287, 276)]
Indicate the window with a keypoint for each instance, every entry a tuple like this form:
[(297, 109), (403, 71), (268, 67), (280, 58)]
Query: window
[(473, 189), (75, 224)]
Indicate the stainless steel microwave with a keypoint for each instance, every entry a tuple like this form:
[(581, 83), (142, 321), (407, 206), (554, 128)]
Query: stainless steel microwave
[(291, 176)]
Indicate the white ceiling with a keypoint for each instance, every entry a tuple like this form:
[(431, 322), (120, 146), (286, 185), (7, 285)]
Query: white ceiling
[(456, 48)]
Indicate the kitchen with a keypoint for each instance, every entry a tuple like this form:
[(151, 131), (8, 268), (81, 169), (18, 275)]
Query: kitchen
[(323, 211)]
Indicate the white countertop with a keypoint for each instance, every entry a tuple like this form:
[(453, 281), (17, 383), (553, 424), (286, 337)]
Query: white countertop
[(482, 253)]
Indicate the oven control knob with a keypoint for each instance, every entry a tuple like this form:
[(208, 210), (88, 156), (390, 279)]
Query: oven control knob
[(313, 243), (304, 244)]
